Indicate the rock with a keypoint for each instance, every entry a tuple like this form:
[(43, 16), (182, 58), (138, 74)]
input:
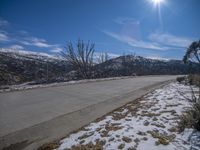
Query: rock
[(111, 139), (145, 138), (131, 148), (155, 119), (136, 140), (146, 123), (141, 133), (102, 142), (81, 142)]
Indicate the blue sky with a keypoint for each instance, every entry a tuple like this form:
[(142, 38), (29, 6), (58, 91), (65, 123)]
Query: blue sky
[(115, 26)]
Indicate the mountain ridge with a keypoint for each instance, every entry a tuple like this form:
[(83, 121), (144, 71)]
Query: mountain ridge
[(17, 66)]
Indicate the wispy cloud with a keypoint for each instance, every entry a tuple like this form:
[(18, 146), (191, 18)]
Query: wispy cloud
[(56, 50), (26, 40), (41, 43), (136, 43), (20, 39), (16, 47), (3, 34), (34, 41), (3, 37), (130, 34), (170, 40)]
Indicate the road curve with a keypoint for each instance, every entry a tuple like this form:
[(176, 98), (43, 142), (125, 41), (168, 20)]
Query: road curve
[(32, 117)]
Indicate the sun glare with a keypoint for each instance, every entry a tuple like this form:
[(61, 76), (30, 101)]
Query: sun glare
[(157, 2)]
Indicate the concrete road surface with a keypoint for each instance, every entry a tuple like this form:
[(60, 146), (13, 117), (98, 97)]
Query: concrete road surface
[(30, 118)]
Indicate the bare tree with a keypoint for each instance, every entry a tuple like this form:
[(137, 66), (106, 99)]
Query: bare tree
[(103, 57), (80, 57), (193, 52), (192, 116)]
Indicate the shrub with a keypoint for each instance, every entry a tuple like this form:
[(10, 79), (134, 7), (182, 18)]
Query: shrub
[(194, 79), (191, 118), (180, 79)]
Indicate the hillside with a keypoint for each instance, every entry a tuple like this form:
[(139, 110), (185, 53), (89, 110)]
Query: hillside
[(17, 67), (23, 66), (136, 65)]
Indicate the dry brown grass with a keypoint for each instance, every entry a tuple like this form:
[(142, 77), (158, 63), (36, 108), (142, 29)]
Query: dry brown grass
[(121, 146), (126, 139), (89, 146), (149, 114), (163, 139), (49, 146), (194, 79), (159, 125), (172, 129), (191, 117)]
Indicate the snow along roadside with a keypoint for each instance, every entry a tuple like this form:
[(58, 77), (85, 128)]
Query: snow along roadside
[(148, 123), (31, 85)]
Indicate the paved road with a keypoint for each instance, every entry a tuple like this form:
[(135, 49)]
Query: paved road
[(22, 110)]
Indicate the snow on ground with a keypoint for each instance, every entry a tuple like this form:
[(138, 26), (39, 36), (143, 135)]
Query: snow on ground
[(147, 123)]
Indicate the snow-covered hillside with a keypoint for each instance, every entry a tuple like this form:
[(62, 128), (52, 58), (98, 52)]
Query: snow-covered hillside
[(137, 65), (19, 66), (29, 55)]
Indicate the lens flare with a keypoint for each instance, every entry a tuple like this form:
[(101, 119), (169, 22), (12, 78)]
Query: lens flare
[(157, 5), (157, 2)]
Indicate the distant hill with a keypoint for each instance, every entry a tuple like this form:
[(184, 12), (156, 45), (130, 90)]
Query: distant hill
[(18, 66), (23, 66), (136, 65)]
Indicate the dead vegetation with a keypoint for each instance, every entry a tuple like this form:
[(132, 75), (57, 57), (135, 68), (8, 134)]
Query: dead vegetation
[(121, 146), (89, 146), (49, 146), (126, 139), (110, 127), (194, 79), (138, 109), (163, 139), (191, 117)]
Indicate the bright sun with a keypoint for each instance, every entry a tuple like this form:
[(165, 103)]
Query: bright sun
[(157, 2)]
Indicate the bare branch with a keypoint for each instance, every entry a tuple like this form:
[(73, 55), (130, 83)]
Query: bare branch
[(81, 57)]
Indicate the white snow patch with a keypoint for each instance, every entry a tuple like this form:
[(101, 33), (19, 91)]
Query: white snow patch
[(157, 113)]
